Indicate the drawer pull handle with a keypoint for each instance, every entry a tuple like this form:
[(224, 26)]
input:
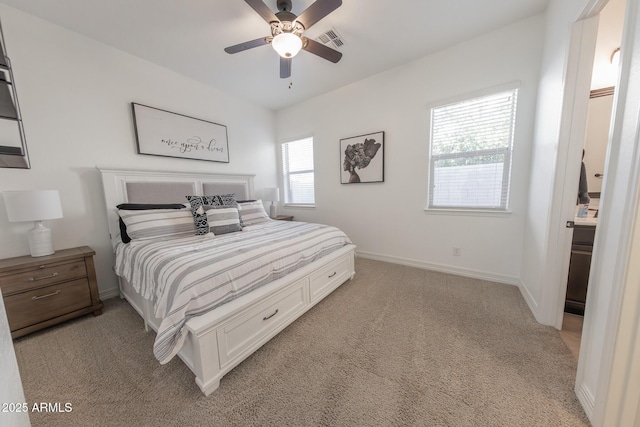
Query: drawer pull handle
[(47, 295), (33, 279), (334, 273), (270, 316)]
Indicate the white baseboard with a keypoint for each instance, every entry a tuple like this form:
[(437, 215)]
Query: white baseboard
[(458, 271), (586, 399), (109, 293), (531, 302)]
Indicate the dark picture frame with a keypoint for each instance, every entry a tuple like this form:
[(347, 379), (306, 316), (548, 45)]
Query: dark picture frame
[(163, 133), (362, 158)]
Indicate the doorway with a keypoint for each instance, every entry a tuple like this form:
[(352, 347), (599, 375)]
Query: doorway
[(603, 79)]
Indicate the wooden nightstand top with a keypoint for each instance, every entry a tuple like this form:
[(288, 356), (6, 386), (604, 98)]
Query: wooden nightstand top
[(284, 217), (27, 261)]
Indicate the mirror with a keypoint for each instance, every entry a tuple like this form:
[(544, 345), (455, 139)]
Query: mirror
[(13, 146)]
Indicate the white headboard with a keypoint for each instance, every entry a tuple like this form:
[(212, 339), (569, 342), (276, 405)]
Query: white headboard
[(148, 186)]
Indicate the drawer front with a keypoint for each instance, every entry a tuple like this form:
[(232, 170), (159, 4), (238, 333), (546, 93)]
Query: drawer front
[(261, 320), (29, 308), (329, 278), (40, 277), (584, 235)]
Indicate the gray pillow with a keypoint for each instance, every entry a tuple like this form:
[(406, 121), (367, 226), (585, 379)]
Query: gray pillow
[(223, 219), (252, 213)]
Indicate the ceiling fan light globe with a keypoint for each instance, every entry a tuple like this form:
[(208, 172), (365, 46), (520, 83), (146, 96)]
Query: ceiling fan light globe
[(287, 44)]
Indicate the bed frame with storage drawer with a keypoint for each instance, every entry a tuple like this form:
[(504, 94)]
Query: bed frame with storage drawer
[(222, 338)]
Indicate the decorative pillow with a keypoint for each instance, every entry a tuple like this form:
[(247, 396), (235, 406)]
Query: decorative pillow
[(154, 223), (252, 213), (223, 219), (198, 211), (139, 207)]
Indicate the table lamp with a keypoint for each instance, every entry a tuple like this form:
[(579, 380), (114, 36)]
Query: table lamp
[(272, 195), (37, 206)]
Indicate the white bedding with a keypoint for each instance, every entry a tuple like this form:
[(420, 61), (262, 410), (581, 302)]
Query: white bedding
[(185, 277)]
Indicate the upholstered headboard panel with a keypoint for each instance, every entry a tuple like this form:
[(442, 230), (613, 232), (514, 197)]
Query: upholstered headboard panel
[(159, 192), (239, 189), (144, 186)]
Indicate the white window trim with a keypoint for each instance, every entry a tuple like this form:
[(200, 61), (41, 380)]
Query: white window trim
[(459, 98), (466, 212), (299, 206), (281, 172)]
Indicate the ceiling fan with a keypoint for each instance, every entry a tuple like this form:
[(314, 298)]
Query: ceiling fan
[(286, 32)]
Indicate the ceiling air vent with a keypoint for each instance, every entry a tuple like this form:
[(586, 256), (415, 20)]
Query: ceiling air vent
[(331, 38)]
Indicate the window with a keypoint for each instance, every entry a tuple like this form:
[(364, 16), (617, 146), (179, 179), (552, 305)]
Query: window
[(297, 172), (470, 155)]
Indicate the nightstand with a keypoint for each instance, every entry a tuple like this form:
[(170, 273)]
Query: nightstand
[(284, 217), (44, 291)]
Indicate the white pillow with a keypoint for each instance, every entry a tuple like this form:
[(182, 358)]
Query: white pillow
[(154, 223), (252, 213)]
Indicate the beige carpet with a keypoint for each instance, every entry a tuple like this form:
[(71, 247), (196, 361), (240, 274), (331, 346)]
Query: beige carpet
[(395, 346)]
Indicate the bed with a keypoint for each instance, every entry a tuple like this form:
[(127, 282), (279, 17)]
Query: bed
[(212, 336)]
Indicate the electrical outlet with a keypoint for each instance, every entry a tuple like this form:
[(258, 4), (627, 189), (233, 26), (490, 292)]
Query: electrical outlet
[(457, 251)]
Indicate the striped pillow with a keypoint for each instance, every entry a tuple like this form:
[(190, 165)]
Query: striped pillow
[(142, 207), (253, 213), (154, 223), (223, 219)]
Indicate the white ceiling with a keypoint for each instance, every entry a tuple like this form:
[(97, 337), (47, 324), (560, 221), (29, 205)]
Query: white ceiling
[(189, 36)]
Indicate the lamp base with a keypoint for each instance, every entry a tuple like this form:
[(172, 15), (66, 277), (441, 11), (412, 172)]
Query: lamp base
[(273, 211), (40, 243)]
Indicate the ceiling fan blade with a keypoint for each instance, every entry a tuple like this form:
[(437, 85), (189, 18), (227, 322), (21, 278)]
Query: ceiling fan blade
[(285, 67), (263, 10), (317, 11), (248, 45), (321, 50)]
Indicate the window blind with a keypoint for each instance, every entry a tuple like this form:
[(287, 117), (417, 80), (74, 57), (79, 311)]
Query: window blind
[(298, 172), (470, 154)]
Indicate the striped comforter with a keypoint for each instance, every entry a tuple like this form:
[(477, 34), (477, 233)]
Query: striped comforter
[(188, 276)]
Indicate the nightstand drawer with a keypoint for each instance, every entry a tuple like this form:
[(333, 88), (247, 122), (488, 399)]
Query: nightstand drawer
[(44, 291), (45, 275), (42, 304)]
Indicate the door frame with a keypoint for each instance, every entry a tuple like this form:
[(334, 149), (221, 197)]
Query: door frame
[(608, 377), (609, 364)]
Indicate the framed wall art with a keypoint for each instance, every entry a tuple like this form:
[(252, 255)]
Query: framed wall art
[(163, 133), (362, 158)]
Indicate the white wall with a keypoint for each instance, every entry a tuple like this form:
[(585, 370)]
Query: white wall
[(595, 143), (387, 220), (605, 74), (609, 38), (75, 96)]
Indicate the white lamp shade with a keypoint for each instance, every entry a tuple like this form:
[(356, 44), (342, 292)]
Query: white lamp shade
[(271, 194), (287, 44), (35, 205)]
